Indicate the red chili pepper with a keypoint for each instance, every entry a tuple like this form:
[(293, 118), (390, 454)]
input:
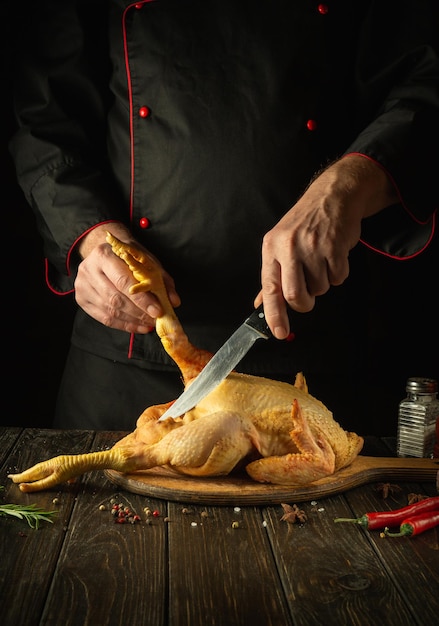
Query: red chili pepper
[(380, 519), (415, 525)]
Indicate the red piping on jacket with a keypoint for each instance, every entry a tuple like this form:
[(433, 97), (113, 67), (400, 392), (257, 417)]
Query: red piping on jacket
[(413, 217), (52, 289), (136, 5), (410, 256), (74, 244)]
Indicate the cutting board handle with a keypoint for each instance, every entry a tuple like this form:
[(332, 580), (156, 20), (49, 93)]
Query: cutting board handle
[(403, 468), (241, 490)]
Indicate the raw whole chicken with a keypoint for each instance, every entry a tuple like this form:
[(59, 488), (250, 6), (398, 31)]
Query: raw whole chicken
[(278, 431)]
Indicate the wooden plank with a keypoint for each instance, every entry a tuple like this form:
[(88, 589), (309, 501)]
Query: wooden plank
[(28, 556), (221, 575), (108, 571), (111, 573), (412, 563), (8, 437), (329, 573)]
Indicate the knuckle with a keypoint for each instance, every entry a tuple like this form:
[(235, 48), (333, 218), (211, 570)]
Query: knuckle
[(108, 320), (299, 301), (122, 283), (271, 289), (293, 294), (115, 301)]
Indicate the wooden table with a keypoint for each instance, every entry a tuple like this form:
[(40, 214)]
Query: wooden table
[(189, 568)]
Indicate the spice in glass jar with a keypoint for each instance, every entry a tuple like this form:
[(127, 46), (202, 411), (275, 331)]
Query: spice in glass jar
[(417, 417)]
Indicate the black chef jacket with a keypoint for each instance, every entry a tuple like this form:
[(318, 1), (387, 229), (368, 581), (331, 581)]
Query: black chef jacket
[(199, 123)]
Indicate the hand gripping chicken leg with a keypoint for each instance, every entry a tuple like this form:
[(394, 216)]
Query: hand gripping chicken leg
[(279, 431)]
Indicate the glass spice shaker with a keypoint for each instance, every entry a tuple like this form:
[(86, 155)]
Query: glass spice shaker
[(436, 448), (417, 417)]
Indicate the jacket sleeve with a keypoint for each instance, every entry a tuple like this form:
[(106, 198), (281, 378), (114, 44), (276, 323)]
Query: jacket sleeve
[(397, 75), (60, 102)]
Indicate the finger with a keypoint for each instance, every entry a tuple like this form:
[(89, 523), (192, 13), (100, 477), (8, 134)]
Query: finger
[(283, 275), (139, 293), (274, 302), (320, 272), (316, 278), (144, 299), (338, 270), (103, 290), (111, 307), (304, 274), (295, 289), (148, 302), (170, 288), (120, 311), (258, 300)]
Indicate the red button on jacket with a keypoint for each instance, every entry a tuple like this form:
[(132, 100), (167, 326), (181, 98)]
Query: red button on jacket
[(144, 112)]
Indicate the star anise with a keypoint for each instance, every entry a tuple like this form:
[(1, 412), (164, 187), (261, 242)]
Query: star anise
[(412, 498), (387, 488), (293, 514)]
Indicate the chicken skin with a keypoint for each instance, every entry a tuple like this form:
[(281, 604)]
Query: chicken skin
[(279, 432)]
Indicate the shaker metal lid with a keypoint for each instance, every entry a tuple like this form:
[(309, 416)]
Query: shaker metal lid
[(421, 385)]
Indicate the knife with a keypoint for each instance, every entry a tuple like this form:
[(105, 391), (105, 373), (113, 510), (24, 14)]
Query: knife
[(222, 363)]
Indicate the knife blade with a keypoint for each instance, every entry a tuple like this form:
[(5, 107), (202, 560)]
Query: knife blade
[(222, 363)]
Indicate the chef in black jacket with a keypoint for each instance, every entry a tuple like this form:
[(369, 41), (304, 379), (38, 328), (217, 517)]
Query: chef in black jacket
[(250, 147)]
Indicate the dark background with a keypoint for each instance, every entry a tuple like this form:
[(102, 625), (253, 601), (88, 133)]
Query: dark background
[(403, 310), (36, 323)]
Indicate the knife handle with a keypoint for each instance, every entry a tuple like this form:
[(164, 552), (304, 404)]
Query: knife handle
[(257, 321)]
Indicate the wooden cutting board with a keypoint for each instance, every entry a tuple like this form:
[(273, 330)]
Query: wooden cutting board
[(241, 490)]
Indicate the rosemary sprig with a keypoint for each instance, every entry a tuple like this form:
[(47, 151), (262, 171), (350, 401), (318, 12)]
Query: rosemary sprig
[(31, 513)]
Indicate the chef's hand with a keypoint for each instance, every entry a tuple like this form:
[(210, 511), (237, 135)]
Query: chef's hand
[(103, 282), (307, 250)]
